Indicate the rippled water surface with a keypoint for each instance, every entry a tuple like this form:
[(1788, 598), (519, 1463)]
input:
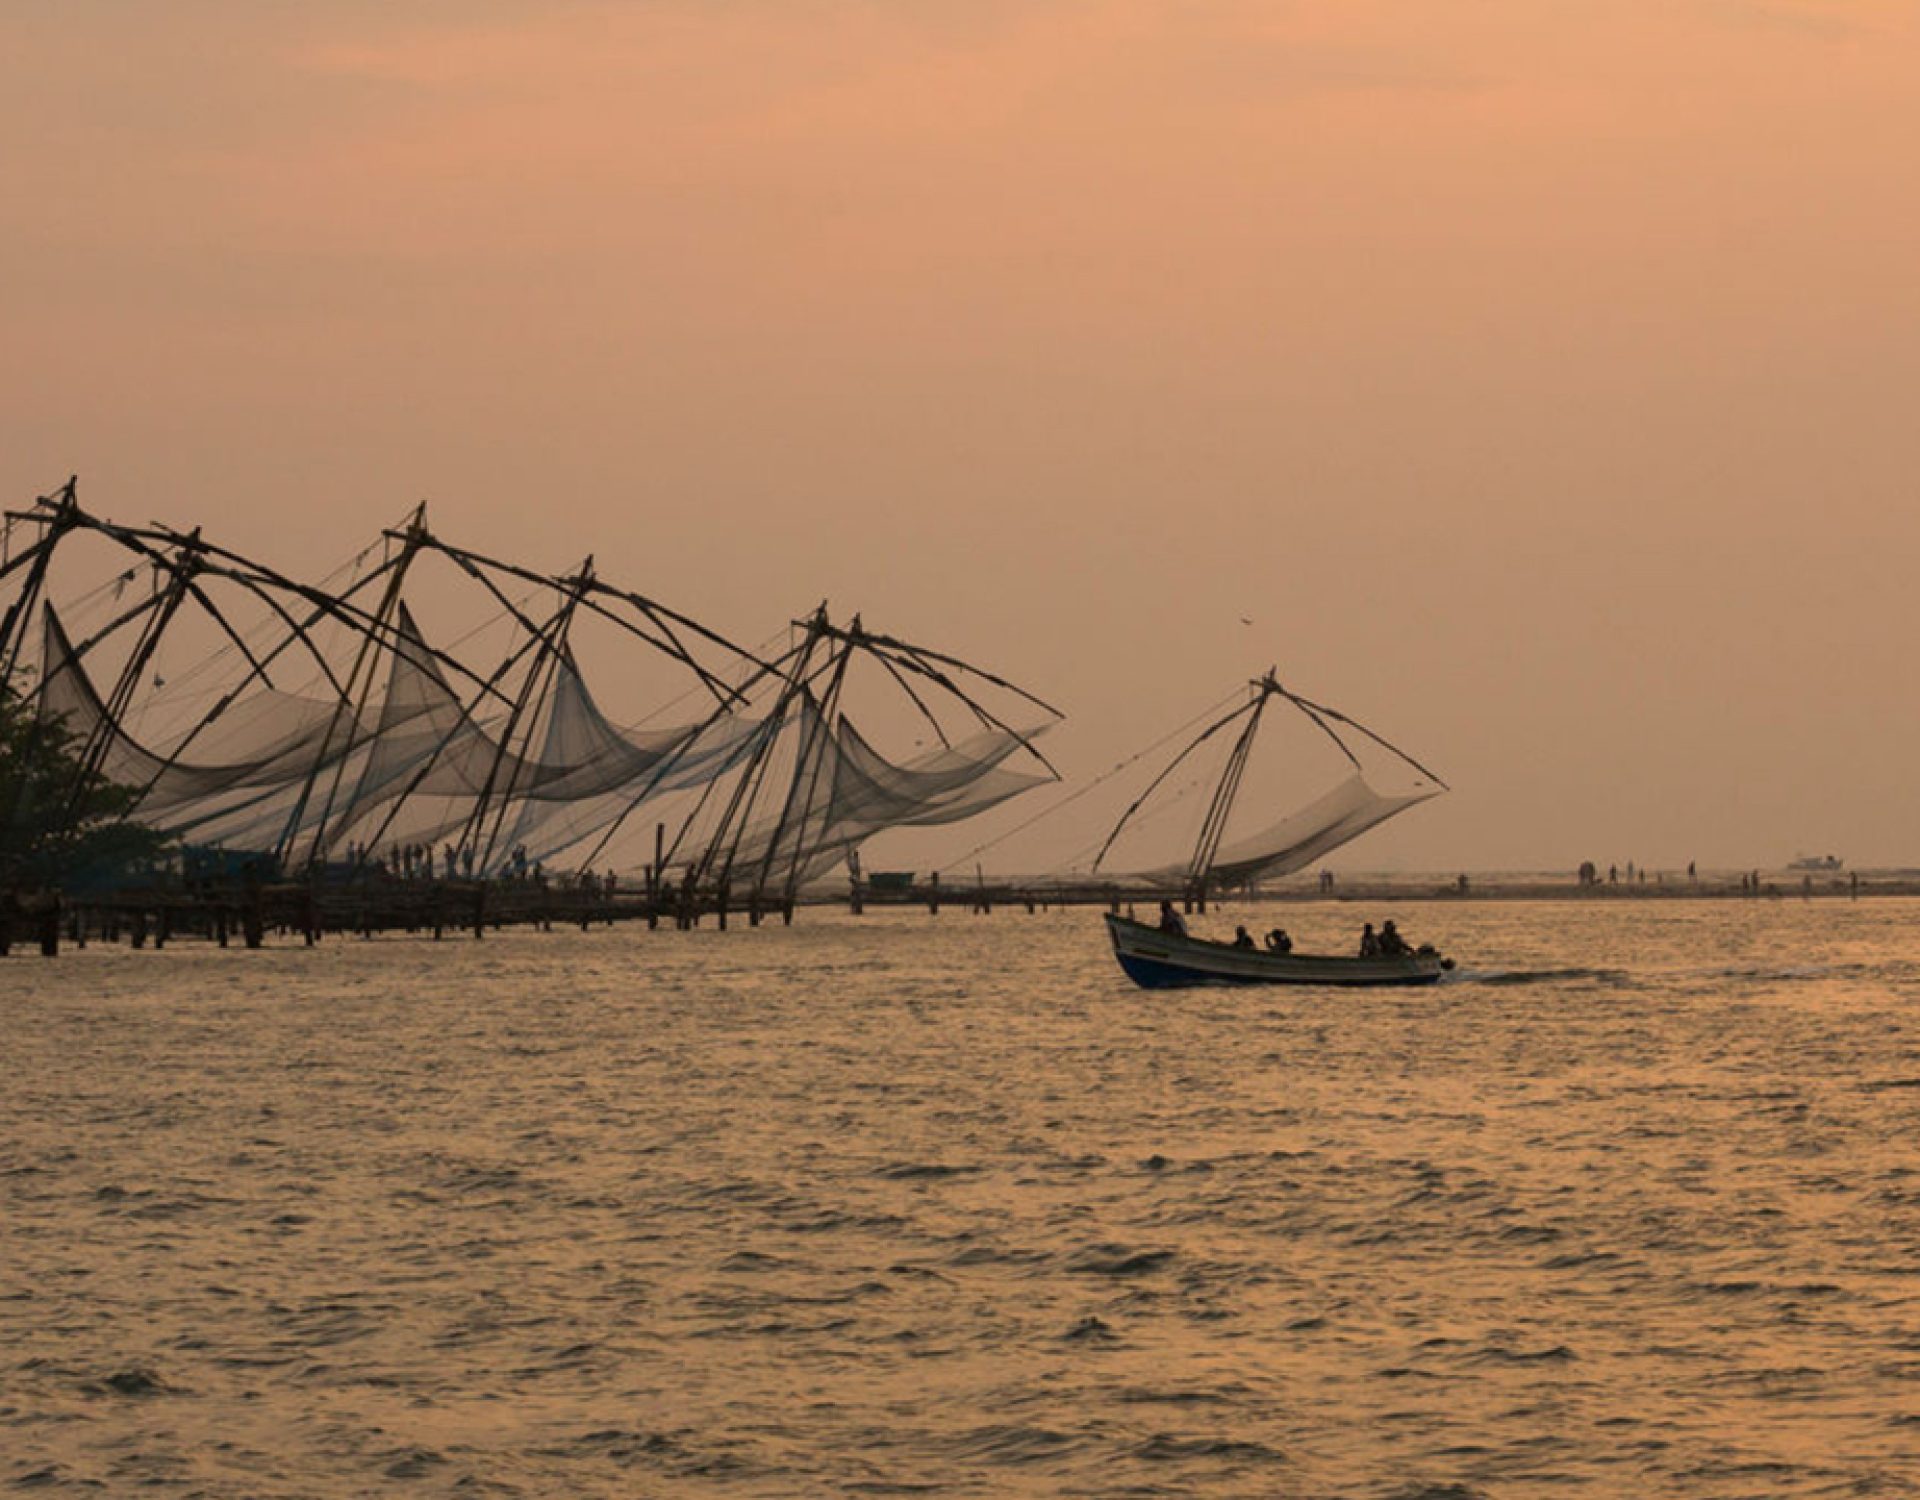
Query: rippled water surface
[(1631, 1206)]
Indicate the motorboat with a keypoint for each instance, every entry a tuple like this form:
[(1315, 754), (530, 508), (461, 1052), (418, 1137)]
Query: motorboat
[(1154, 960)]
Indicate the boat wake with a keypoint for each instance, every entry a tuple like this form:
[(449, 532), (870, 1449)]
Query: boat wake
[(1713, 976), (1610, 978)]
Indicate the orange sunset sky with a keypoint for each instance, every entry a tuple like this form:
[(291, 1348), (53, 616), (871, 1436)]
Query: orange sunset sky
[(1540, 377)]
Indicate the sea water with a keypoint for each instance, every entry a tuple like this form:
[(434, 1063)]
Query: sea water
[(916, 1205)]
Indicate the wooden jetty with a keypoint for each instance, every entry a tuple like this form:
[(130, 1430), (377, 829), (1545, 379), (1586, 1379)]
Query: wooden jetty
[(246, 914)]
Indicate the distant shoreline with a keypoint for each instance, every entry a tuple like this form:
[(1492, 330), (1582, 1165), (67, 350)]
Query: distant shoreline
[(1373, 888), (1437, 888)]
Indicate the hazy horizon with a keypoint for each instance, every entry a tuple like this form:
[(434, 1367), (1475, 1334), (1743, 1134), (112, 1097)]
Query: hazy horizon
[(1536, 382)]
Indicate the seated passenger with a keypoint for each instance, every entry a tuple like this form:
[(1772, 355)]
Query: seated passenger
[(1279, 942), (1369, 944), (1171, 920), (1242, 938), (1392, 945)]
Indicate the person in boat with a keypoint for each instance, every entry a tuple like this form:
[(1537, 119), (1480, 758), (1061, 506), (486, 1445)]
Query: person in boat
[(1242, 938), (1278, 941), (1369, 944), (1392, 945), (1171, 921)]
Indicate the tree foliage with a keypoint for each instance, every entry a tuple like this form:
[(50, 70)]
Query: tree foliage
[(60, 824)]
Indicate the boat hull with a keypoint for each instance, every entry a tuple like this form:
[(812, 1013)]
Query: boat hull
[(1157, 960)]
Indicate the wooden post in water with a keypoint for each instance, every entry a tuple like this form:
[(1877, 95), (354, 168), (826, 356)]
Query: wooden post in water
[(933, 893), (656, 876), (252, 923)]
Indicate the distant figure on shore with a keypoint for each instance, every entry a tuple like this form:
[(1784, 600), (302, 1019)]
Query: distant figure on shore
[(1463, 885), (1326, 881), (1853, 885), (1589, 873), (1693, 877), (1242, 938), (1171, 920), (1391, 944), (1613, 874), (1369, 944), (1278, 941)]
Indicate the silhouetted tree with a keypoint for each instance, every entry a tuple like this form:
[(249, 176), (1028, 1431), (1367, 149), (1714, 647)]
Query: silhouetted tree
[(59, 822)]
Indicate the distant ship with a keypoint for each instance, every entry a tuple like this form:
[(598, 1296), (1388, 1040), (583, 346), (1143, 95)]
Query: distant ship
[(1817, 863)]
